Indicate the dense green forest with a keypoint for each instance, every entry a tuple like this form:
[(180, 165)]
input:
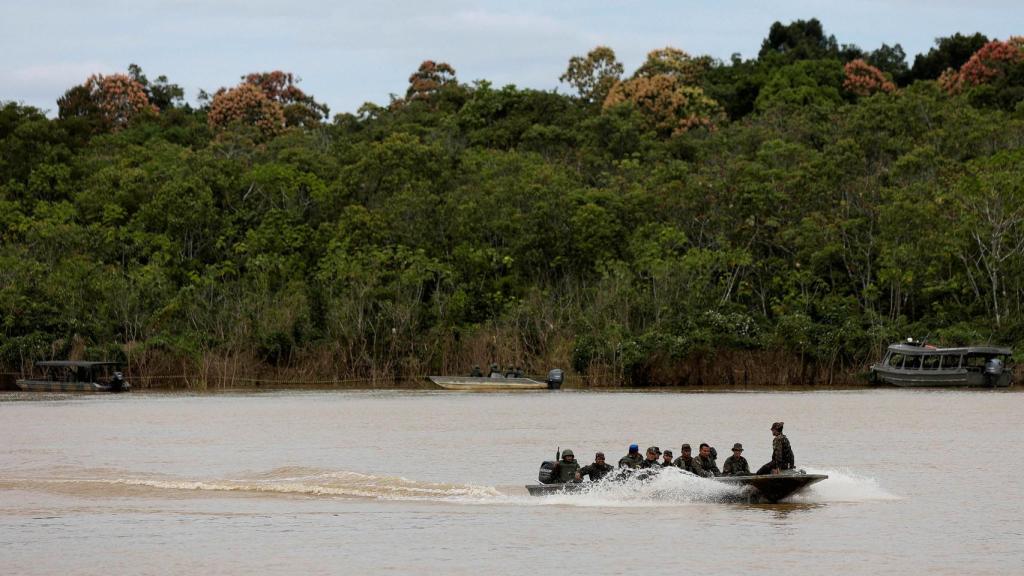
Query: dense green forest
[(773, 220)]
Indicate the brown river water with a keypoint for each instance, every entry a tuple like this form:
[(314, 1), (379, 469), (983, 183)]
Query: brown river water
[(414, 482)]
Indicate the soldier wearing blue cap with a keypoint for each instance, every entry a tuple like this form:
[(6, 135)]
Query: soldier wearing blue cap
[(633, 459)]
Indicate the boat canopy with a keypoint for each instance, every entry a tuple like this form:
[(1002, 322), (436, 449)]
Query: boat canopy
[(73, 364), (919, 350)]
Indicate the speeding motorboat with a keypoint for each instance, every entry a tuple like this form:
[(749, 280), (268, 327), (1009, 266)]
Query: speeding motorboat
[(755, 488), (763, 488)]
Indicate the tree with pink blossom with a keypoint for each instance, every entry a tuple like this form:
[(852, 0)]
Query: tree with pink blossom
[(863, 79)]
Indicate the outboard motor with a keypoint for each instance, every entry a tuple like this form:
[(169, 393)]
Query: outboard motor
[(555, 379), (547, 472), (993, 370), (117, 383), (547, 469)]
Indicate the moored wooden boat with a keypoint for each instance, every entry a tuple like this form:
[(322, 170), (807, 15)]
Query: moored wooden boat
[(499, 381), (911, 364), (75, 376), (485, 383)]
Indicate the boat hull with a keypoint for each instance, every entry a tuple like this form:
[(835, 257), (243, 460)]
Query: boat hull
[(766, 488), (917, 365), (937, 378), (54, 386), (470, 383)]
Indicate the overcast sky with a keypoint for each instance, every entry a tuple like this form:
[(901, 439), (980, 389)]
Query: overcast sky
[(349, 52)]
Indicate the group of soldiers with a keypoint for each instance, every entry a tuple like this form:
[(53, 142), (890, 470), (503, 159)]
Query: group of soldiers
[(703, 464)]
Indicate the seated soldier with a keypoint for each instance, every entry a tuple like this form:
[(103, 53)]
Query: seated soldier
[(633, 459), (598, 469), (666, 459), (652, 458), (736, 465), (704, 464), (685, 460)]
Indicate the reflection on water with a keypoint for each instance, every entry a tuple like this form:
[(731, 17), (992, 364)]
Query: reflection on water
[(413, 482), (783, 510)]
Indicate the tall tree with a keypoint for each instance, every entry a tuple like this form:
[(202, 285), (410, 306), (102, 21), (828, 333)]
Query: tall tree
[(300, 109), (863, 79), (798, 40), (247, 104), (676, 63), (593, 75), (949, 52), (429, 79), (161, 92)]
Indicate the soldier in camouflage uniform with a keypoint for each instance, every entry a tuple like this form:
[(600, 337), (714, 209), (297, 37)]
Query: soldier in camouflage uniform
[(736, 465), (633, 459), (652, 458), (666, 458), (782, 453), (685, 460), (598, 469), (704, 465), (567, 469)]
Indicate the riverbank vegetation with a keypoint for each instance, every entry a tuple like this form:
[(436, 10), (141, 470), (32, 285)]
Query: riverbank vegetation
[(772, 220)]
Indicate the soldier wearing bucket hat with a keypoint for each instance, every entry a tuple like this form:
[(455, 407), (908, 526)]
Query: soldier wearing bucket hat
[(782, 453), (736, 465)]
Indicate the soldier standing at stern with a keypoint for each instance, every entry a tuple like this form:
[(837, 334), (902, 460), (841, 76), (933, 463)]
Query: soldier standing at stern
[(782, 453), (567, 469)]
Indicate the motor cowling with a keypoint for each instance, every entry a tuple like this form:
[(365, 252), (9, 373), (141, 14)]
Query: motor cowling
[(555, 379), (118, 383), (547, 472), (994, 366)]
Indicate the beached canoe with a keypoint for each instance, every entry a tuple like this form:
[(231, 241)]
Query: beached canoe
[(485, 383)]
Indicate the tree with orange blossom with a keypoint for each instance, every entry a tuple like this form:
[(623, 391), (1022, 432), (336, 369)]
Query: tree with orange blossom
[(863, 79), (247, 104)]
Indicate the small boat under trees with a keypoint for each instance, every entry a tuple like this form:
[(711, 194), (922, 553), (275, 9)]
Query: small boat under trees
[(912, 363), (75, 376), (498, 381)]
